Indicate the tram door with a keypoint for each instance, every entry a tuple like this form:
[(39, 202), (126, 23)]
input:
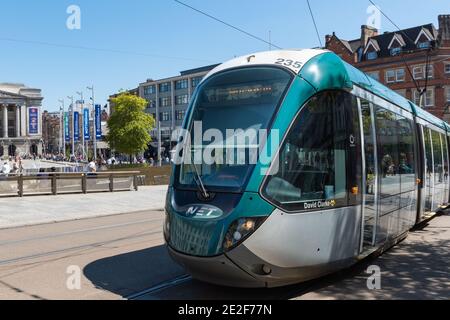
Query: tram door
[(370, 178)]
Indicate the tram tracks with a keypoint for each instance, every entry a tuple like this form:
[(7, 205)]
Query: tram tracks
[(160, 287), (91, 245)]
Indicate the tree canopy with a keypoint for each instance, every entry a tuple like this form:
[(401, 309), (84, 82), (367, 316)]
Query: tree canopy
[(129, 126)]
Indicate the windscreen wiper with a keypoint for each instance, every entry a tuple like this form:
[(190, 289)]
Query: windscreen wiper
[(198, 180)]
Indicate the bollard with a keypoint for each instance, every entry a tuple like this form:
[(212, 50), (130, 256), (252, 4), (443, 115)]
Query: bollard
[(135, 182), (54, 187), (84, 183), (111, 183), (20, 185)]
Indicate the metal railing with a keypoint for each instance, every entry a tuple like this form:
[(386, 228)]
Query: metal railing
[(55, 183)]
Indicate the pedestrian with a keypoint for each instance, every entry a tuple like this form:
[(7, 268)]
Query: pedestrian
[(92, 167), (6, 168)]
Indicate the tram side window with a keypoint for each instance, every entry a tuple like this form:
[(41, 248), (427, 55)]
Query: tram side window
[(437, 156), (445, 151), (320, 158), (406, 148), (388, 155)]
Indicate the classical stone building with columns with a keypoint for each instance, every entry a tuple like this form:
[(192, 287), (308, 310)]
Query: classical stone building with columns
[(20, 120)]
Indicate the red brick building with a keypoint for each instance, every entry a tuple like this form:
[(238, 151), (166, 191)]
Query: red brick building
[(425, 49)]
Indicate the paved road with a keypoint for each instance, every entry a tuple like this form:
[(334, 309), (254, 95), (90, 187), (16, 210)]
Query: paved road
[(124, 254), (17, 212)]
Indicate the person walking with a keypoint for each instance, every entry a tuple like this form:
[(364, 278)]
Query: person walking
[(92, 167)]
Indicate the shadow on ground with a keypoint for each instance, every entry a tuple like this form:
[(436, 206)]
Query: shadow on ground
[(417, 268), (132, 272)]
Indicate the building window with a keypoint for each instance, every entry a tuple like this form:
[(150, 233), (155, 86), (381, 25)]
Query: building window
[(374, 75), (164, 87), (165, 102), (180, 115), (428, 98), (151, 104), (397, 75), (401, 92), (447, 68), (448, 94), (372, 55), (164, 116), (149, 90), (181, 84), (183, 99), (396, 51), (420, 71), (196, 81), (424, 45)]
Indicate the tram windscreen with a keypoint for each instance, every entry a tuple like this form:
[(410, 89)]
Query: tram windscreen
[(229, 110)]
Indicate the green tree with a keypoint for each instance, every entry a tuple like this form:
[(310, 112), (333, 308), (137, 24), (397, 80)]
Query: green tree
[(129, 126)]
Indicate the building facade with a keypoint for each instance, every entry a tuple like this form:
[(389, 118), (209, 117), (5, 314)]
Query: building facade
[(51, 132), (414, 62), (168, 100), (20, 120)]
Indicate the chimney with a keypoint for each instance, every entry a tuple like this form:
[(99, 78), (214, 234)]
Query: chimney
[(444, 30), (366, 33)]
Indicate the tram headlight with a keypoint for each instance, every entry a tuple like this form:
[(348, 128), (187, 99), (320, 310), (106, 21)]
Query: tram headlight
[(240, 230)]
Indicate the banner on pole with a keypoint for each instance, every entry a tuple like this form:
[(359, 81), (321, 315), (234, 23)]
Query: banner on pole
[(66, 126), (87, 133), (98, 121), (76, 126), (33, 121)]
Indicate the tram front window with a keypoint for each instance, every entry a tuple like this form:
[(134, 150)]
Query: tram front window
[(229, 110), (319, 159)]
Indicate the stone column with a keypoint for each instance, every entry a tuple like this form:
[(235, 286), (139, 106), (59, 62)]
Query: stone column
[(23, 120), (17, 121), (5, 121)]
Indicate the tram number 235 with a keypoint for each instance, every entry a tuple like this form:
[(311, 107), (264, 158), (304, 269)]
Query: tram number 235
[(289, 63)]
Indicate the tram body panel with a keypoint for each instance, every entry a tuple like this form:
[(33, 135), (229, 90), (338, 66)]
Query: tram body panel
[(307, 239), (289, 234)]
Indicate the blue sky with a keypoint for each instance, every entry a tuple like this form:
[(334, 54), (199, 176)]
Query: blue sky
[(172, 37)]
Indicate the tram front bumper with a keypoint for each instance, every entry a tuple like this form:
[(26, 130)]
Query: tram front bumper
[(218, 270)]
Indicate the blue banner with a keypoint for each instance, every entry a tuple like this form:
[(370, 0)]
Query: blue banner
[(87, 133), (98, 121), (76, 126), (66, 126), (33, 120)]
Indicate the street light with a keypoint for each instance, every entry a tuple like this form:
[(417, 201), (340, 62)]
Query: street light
[(62, 125), (80, 93), (95, 121), (73, 123)]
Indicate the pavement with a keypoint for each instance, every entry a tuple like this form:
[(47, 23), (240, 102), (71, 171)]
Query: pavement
[(16, 212), (115, 257)]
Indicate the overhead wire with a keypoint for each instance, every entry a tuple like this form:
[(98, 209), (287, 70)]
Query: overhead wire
[(315, 24), (69, 46), (227, 24)]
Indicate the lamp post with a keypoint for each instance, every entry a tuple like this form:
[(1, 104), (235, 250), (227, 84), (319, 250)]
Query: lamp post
[(62, 126), (95, 121), (73, 123), (80, 93)]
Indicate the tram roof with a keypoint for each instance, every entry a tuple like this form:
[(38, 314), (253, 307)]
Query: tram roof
[(338, 74), (324, 70)]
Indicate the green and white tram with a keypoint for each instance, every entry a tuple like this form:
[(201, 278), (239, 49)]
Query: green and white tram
[(350, 167)]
